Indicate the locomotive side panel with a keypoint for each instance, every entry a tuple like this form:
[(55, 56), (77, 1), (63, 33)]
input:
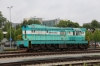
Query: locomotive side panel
[(42, 33), (49, 37)]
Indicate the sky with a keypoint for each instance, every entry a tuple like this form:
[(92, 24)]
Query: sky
[(80, 11)]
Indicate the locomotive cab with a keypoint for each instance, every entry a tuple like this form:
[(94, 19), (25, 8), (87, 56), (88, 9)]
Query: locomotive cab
[(76, 34)]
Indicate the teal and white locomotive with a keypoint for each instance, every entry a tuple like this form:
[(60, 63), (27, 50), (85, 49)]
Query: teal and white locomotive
[(39, 37)]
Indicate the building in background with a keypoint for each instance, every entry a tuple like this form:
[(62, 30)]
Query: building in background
[(38, 19), (34, 18), (26, 19), (51, 22), (14, 24), (4, 39), (87, 23)]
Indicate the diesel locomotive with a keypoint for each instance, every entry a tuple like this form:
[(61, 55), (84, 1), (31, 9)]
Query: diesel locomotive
[(40, 37)]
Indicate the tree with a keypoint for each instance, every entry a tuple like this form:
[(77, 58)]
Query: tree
[(36, 22), (12, 34), (1, 35), (25, 22), (76, 25), (94, 24), (18, 26), (33, 22), (68, 23), (89, 36), (15, 34), (93, 36), (19, 37), (7, 26), (62, 24), (18, 34), (2, 19), (87, 26), (99, 25), (96, 36)]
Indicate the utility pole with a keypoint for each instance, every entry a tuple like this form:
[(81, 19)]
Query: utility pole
[(10, 24)]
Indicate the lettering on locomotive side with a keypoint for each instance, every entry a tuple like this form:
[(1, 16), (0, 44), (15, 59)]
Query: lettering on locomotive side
[(43, 32), (53, 32)]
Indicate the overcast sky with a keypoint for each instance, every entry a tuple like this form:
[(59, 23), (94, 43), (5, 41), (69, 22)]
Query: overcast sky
[(81, 11)]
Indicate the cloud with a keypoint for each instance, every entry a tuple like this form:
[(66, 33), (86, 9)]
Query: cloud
[(81, 11)]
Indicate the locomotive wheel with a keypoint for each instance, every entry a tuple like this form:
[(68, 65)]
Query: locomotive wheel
[(85, 46), (66, 47), (36, 47), (43, 47), (18, 48), (53, 47), (29, 50), (50, 47), (56, 46), (70, 47), (75, 46), (81, 46)]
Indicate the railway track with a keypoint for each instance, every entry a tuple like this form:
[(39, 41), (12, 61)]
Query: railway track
[(17, 52), (89, 60), (21, 54)]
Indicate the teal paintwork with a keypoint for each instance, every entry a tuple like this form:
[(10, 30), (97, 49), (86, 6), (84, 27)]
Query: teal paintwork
[(22, 42), (50, 42), (59, 38), (58, 42)]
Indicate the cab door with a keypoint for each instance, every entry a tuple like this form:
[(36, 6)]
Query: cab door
[(30, 45)]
